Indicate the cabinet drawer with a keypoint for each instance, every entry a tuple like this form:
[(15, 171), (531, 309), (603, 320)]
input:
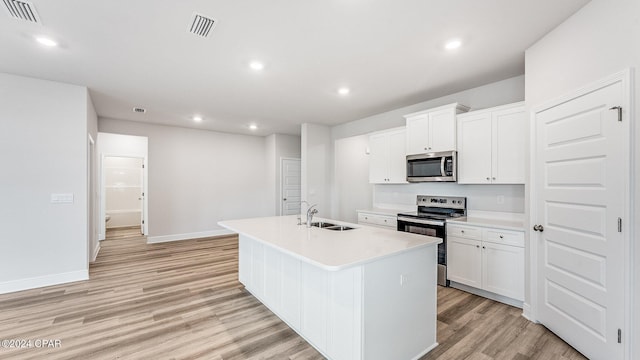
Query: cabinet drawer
[(364, 218), (378, 220), (464, 232), (390, 221), (506, 237)]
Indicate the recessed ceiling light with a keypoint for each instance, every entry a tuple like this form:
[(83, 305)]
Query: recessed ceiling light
[(197, 118), (46, 41), (256, 65), (253, 127), (344, 91), (453, 44)]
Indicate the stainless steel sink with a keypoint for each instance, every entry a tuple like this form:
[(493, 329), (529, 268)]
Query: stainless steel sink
[(330, 226), (339, 228), (322, 224)]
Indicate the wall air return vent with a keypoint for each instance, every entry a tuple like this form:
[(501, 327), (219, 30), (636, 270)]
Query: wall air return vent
[(201, 25), (22, 10)]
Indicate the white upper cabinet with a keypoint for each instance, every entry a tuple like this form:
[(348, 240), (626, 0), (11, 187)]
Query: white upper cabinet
[(387, 158), (492, 145), (433, 130)]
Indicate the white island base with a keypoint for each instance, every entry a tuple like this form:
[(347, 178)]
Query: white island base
[(381, 308)]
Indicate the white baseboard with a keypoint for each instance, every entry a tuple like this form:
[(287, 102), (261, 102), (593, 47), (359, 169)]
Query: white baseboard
[(95, 252), (487, 294), (41, 281), (188, 236)]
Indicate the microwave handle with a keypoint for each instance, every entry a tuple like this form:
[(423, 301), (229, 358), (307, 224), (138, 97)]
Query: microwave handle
[(442, 162)]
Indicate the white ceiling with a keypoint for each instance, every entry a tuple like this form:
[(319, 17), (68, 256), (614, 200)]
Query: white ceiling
[(389, 53)]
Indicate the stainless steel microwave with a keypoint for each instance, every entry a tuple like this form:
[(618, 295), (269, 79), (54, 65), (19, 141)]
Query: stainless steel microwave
[(439, 166)]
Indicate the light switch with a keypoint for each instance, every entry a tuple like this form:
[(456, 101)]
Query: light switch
[(62, 198)]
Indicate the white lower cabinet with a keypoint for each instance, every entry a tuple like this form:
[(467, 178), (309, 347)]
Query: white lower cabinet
[(486, 258), (361, 312)]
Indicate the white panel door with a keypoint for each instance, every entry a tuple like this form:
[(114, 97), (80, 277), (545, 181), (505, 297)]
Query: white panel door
[(581, 171), (464, 261), (396, 142), (509, 146), (474, 152), (442, 130), (290, 180)]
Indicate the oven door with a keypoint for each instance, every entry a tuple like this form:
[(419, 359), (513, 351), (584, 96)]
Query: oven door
[(435, 228)]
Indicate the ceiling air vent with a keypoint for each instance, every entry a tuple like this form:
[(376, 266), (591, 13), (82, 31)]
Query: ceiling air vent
[(201, 25), (22, 10)]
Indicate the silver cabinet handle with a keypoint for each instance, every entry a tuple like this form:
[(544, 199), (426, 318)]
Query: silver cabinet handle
[(538, 228)]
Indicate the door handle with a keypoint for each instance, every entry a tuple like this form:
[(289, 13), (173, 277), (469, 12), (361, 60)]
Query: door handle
[(538, 228), (285, 199)]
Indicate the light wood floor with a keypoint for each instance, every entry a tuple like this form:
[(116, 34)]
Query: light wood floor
[(182, 300)]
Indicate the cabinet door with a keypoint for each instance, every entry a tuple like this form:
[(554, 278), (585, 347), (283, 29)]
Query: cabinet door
[(314, 292), (503, 270), (442, 130), (509, 146), (244, 260), (474, 149), (257, 269), (378, 159), (397, 158), (464, 261), (418, 134), (290, 292)]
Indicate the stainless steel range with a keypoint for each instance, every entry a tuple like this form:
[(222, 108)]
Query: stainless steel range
[(430, 219)]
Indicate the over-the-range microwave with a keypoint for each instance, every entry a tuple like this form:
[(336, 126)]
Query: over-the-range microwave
[(439, 166)]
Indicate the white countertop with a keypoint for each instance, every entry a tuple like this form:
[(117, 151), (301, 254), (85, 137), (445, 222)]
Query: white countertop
[(379, 211), (328, 249), (489, 222)]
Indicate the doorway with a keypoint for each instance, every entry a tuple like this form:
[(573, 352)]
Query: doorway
[(580, 241), (124, 192), (290, 181)]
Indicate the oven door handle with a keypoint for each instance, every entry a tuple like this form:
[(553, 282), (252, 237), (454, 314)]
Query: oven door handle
[(420, 221)]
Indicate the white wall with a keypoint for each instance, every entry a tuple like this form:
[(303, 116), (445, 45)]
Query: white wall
[(480, 197), (316, 163), (43, 150), (198, 177), (601, 39), (351, 188)]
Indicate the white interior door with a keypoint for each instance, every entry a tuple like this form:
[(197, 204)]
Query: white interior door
[(290, 186), (581, 176)]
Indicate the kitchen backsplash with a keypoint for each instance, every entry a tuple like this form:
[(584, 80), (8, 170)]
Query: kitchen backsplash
[(501, 198)]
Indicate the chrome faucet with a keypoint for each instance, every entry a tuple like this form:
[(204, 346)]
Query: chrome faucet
[(300, 215), (310, 212)]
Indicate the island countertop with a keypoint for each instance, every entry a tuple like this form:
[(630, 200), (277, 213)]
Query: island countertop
[(328, 249)]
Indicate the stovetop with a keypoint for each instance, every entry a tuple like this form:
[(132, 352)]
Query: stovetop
[(439, 208), (433, 216)]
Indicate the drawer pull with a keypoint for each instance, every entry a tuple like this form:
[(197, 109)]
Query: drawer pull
[(501, 237), (462, 231)]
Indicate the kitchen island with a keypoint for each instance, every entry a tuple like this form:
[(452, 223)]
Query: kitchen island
[(366, 293)]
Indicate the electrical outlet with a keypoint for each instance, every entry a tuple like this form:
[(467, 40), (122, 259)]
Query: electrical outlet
[(500, 199), (404, 279)]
